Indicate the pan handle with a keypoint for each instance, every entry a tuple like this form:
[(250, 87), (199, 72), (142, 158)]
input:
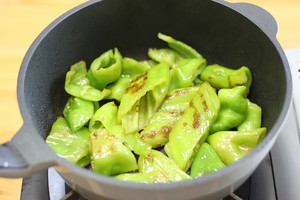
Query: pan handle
[(24, 155), (262, 18)]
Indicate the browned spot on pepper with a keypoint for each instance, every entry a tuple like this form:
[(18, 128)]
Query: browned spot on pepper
[(204, 103), (178, 92), (196, 121), (184, 123), (148, 157), (136, 84), (176, 113), (158, 145), (152, 134), (166, 131)]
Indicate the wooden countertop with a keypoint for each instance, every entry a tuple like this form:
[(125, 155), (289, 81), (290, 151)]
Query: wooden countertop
[(22, 20)]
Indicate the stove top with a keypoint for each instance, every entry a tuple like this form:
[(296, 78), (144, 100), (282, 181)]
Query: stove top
[(277, 177)]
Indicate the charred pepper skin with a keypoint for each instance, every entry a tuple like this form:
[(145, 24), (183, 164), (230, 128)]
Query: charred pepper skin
[(143, 97), (156, 133), (130, 70), (233, 110), (192, 128)]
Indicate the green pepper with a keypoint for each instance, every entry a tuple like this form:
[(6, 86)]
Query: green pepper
[(130, 70), (206, 161), (135, 177), (108, 154), (166, 55), (233, 145), (77, 84), (148, 63), (105, 69), (185, 50), (192, 128), (185, 71), (253, 118), (221, 77), (143, 97), (233, 109), (160, 169), (106, 117), (73, 146), (156, 133), (78, 112)]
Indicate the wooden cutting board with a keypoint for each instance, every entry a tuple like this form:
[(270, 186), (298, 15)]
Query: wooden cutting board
[(22, 20)]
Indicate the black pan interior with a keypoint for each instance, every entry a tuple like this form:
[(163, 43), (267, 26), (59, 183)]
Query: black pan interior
[(220, 34)]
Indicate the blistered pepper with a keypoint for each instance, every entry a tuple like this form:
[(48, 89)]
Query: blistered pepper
[(105, 69), (108, 154), (233, 109), (130, 70), (77, 84), (143, 97), (106, 117), (154, 166), (233, 145), (253, 118), (192, 128), (73, 146), (183, 49), (165, 55), (222, 77), (156, 133), (206, 161), (78, 112), (185, 71)]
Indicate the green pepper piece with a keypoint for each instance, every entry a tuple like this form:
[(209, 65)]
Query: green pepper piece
[(192, 128), (185, 50), (185, 71), (167, 56), (217, 76), (134, 177), (77, 84), (156, 133), (222, 77), (233, 145), (108, 154), (148, 63), (253, 119), (160, 169), (143, 97), (73, 146), (130, 70), (106, 117), (206, 161), (105, 69), (233, 109), (78, 112)]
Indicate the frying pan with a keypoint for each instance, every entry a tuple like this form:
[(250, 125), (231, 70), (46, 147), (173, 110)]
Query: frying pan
[(230, 34)]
